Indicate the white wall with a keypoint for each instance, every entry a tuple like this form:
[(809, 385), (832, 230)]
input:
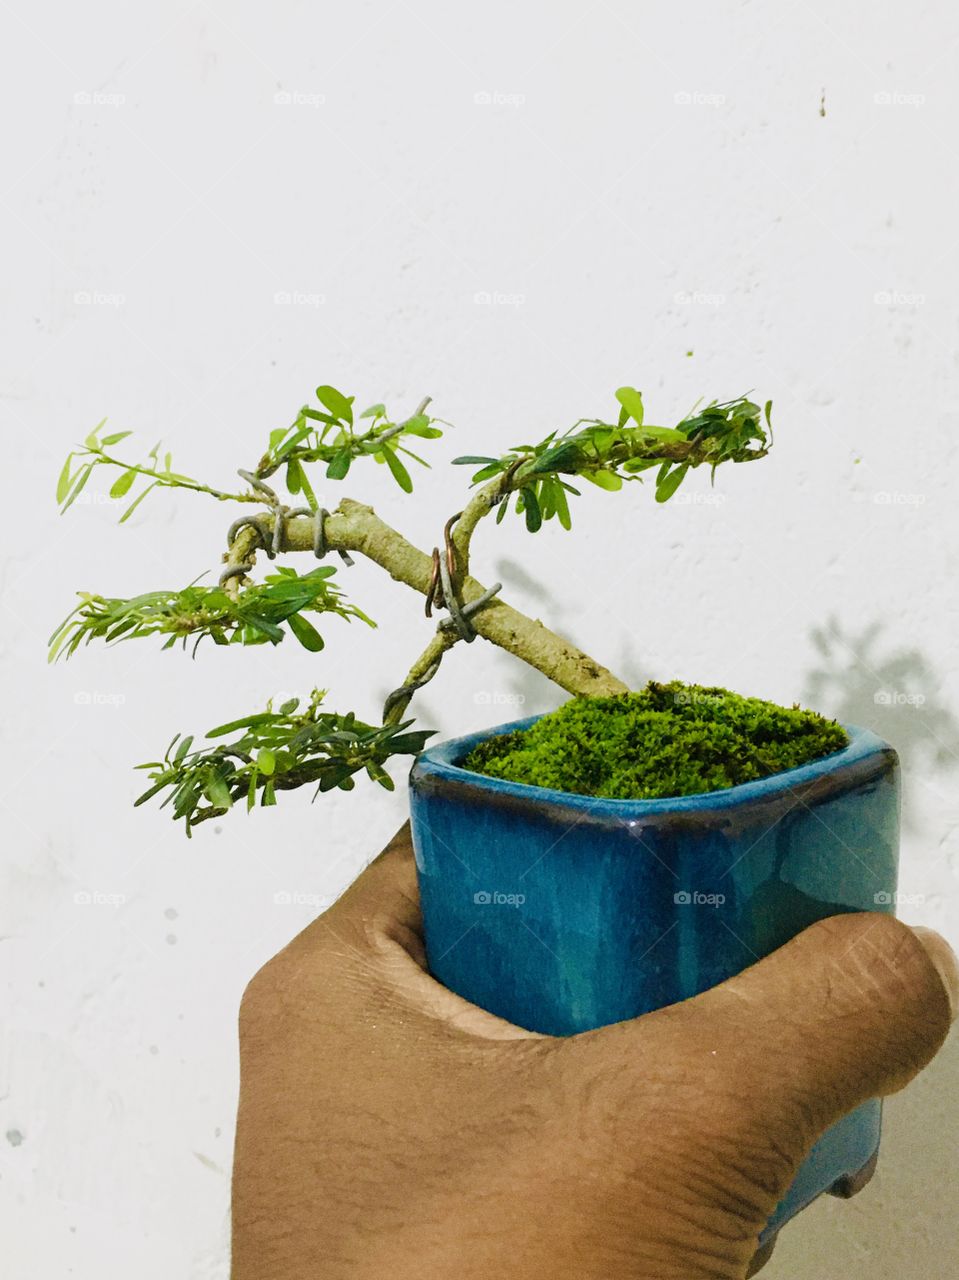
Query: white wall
[(652, 195)]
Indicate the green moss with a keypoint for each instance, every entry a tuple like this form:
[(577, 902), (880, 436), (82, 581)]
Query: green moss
[(665, 740)]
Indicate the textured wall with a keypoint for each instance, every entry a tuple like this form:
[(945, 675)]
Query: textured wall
[(206, 210)]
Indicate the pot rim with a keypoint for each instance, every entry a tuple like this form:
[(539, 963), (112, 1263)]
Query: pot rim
[(439, 762)]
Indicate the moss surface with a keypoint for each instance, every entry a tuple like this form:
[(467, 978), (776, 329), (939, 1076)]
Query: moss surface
[(665, 740)]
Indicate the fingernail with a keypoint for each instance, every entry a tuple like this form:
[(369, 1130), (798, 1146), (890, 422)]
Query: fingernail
[(944, 959)]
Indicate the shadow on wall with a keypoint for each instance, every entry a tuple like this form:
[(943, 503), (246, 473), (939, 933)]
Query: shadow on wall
[(863, 679)]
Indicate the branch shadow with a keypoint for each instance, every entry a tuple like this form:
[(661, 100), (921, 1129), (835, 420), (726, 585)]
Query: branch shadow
[(865, 678)]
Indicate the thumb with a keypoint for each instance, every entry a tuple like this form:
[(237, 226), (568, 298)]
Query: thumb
[(851, 1009)]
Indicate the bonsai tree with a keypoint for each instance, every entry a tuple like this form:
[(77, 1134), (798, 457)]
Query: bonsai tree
[(281, 748)]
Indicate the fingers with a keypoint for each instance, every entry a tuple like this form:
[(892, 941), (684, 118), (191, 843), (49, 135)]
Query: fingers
[(851, 1009)]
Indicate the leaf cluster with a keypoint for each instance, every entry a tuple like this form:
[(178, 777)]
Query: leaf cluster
[(276, 750), (331, 434), (255, 615), (607, 454)]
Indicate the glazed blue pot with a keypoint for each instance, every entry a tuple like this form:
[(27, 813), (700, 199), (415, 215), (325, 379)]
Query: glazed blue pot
[(562, 913)]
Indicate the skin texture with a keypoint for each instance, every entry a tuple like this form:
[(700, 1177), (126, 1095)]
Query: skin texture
[(388, 1128)]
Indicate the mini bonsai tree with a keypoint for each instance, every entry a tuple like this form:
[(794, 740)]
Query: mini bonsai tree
[(281, 748)]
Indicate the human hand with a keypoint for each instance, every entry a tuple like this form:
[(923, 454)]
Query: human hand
[(388, 1128)]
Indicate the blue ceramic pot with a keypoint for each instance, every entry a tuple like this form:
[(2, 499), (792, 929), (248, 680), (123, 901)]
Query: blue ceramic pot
[(562, 912)]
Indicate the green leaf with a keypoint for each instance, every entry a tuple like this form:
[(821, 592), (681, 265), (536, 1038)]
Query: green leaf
[(667, 485), (400, 473), (136, 502), (632, 402), (374, 411), (562, 506), (63, 483), (266, 761), (338, 404), (534, 518), (91, 441), (122, 484), (305, 632), (422, 427), (115, 438), (84, 476), (604, 479), (217, 792), (339, 465), (473, 460)]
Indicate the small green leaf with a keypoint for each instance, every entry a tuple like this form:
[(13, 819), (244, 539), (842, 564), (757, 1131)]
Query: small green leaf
[(473, 460), (669, 483), (136, 502), (374, 411), (266, 761), (534, 518), (115, 438), (604, 479), (562, 506), (122, 484), (84, 476), (339, 465), (305, 632), (63, 483), (217, 792), (400, 473), (632, 402), (339, 405)]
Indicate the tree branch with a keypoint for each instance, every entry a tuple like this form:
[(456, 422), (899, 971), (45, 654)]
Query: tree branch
[(356, 527)]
